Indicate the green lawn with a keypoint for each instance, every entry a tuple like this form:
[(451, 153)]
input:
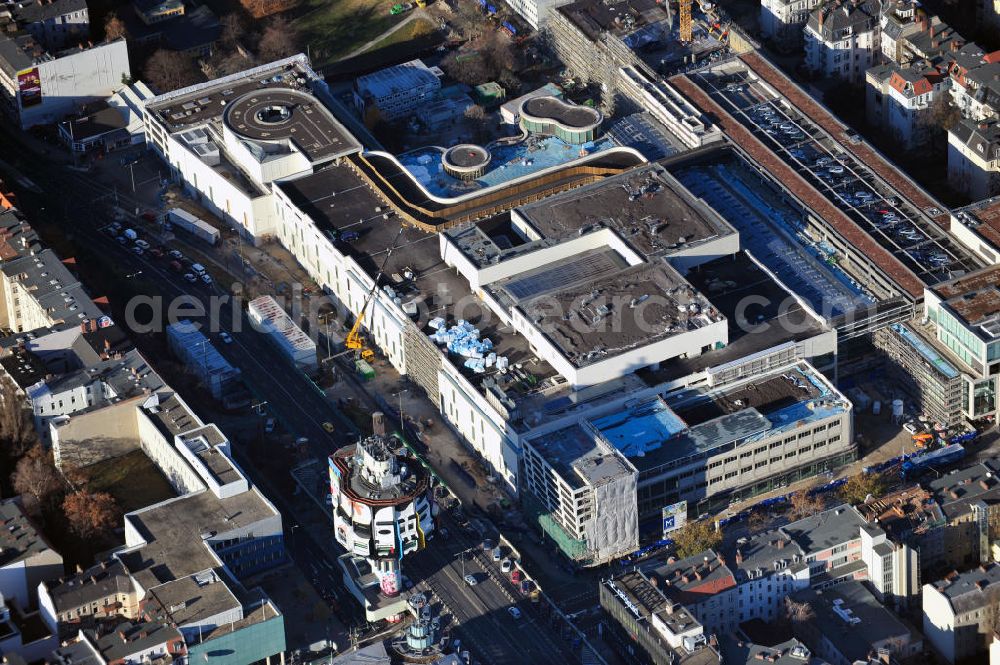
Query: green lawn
[(332, 29), (133, 480), (413, 30)]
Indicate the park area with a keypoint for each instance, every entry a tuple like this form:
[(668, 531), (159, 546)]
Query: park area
[(334, 29)]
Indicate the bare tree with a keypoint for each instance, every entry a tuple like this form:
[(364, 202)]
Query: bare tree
[(279, 40), (797, 612), (36, 479), (17, 431), (114, 27), (803, 504), (170, 70), (476, 113), (942, 113), (90, 515), (234, 29)]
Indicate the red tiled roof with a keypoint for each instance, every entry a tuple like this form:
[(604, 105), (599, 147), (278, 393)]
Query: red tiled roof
[(990, 58), (853, 233), (862, 152)]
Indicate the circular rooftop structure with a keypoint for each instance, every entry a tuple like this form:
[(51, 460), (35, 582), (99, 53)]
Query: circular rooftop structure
[(570, 122), (286, 114), (466, 161)]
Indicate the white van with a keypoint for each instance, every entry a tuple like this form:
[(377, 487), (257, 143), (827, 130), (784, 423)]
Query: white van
[(198, 269)]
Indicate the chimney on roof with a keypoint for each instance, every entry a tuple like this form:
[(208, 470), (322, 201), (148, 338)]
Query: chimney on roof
[(932, 34), (739, 557), (955, 46), (79, 569), (982, 584), (653, 582), (121, 634), (781, 543), (820, 18)]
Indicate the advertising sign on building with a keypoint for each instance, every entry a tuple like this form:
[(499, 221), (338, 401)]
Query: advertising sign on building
[(674, 517), (29, 85)]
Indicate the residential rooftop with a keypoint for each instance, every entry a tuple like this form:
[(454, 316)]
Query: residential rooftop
[(973, 589), (691, 579), (957, 490), (905, 513), (53, 287), (128, 639), (192, 598), (17, 237), (850, 616), (827, 529), (19, 540), (175, 531), (24, 367), (109, 578), (738, 650)]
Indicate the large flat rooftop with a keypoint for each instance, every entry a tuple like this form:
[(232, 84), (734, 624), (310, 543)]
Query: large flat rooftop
[(193, 598), (842, 180), (984, 217), (173, 531), (646, 206), (770, 228), (591, 306), (270, 103), (768, 395), (760, 314), (338, 200), (579, 459), (975, 298)]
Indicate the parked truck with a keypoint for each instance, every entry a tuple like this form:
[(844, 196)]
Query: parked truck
[(181, 219)]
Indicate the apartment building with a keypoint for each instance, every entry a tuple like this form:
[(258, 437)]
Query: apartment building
[(975, 87), (977, 226), (970, 502), (752, 579), (850, 625), (26, 557), (38, 291), (959, 612), (54, 23), (899, 100), (782, 21), (974, 158), (648, 627), (842, 39), (100, 592)]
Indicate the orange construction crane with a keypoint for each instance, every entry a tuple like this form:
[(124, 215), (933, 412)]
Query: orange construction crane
[(686, 29), (355, 341)]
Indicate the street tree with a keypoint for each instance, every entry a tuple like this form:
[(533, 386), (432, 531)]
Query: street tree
[(696, 537), (803, 504), (862, 486)]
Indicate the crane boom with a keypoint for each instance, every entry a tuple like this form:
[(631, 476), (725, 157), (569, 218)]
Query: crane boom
[(354, 340)]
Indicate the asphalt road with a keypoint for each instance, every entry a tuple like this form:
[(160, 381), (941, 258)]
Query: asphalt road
[(485, 626)]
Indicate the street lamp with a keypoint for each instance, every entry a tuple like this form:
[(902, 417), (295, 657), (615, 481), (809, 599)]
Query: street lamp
[(400, 396), (462, 554)]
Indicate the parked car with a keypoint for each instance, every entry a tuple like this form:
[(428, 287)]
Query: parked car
[(176, 254), (190, 277), (471, 580), (269, 425), (176, 266), (514, 612), (328, 426), (506, 565), (137, 250), (157, 252), (142, 243), (206, 278), (226, 337)]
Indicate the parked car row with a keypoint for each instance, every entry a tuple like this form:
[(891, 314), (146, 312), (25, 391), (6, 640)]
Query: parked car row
[(193, 272)]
